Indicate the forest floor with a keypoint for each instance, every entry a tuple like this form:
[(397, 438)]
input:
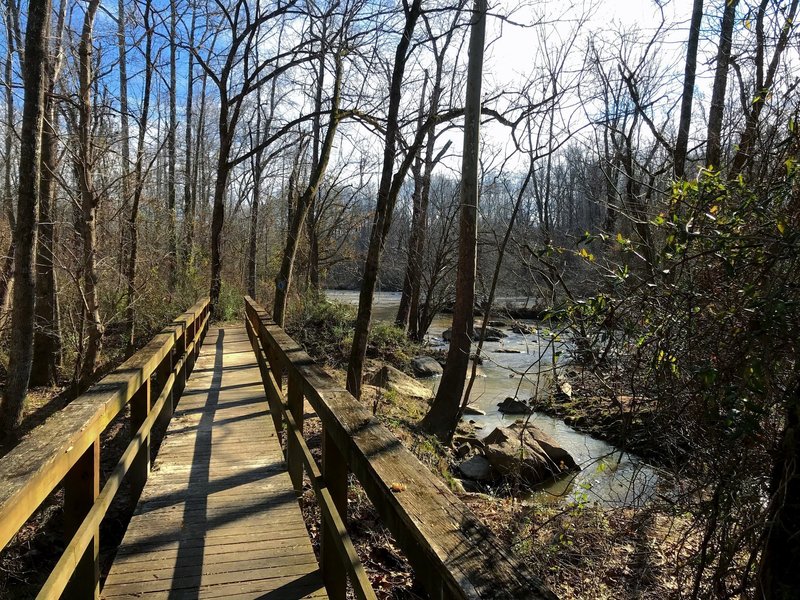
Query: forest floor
[(582, 551)]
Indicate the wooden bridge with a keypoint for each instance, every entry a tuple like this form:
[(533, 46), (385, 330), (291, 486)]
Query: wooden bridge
[(216, 514)]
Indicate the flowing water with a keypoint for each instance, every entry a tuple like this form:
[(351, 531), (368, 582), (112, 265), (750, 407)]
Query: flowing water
[(521, 366)]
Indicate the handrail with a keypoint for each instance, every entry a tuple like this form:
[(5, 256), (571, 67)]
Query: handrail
[(337, 547), (453, 554), (66, 448)]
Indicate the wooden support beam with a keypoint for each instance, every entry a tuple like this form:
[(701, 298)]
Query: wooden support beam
[(294, 454), (163, 372), (81, 489), (140, 408), (334, 473)]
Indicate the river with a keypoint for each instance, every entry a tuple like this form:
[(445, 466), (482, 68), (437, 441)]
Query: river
[(511, 367)]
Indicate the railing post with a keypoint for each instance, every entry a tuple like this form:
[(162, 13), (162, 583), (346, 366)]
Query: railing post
[(294, 453), (140, 468), (81, 489), (334, 472), (191, 331), (163, 372), (180, 377)]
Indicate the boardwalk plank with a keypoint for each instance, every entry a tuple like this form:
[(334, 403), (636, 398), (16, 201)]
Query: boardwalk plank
[(218, 517)]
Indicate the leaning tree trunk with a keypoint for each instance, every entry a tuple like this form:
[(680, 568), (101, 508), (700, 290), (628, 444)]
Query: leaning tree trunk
[(717, 110), (284, 278), (22, 317), (690, 71), (443, 416), (387, 197)]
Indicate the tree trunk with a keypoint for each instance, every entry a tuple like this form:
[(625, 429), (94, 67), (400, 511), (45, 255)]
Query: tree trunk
[(284, 279), (744, 152), (133, 216), (6, 274), (689, 72), (218, 212), (196, 179), (442, 418), (172, 239), (252, 244), (311, 220), (188, 213), (22, 316), (414, 263), (717, 110), (89, 196), (383, 210), (253, 238), (47, 336)]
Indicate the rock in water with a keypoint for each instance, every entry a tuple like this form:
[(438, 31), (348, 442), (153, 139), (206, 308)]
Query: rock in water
[(425, 366), (492, 334), (512, 406), (526, 452), (392, 379), (476, 468), (470, 410), (522, 329)]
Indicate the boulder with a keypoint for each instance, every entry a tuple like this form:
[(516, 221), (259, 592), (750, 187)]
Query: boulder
[(476, 468), (522, 329), (425, 366), (512, 406), (392, 379), (492, 334), (526, 452)]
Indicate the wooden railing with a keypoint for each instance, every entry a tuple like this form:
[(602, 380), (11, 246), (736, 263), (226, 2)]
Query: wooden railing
[(66, 449), (453, 554)]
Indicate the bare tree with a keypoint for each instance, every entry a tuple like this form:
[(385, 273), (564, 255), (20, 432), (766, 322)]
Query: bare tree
[(284, 278), (689, 75), (442, 418), (388, 189), (717, 110)]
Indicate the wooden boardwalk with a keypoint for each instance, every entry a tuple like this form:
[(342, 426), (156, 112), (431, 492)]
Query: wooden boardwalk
[(218, 517)]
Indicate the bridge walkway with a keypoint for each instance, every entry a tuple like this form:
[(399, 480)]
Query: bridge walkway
[(218, 517)]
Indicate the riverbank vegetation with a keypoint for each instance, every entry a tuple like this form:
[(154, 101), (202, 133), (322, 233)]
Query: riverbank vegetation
[(622, 187)]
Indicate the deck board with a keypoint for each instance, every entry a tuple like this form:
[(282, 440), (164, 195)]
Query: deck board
[(218, 517)]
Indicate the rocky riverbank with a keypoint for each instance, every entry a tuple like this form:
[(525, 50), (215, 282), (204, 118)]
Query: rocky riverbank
[(585, 405)]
